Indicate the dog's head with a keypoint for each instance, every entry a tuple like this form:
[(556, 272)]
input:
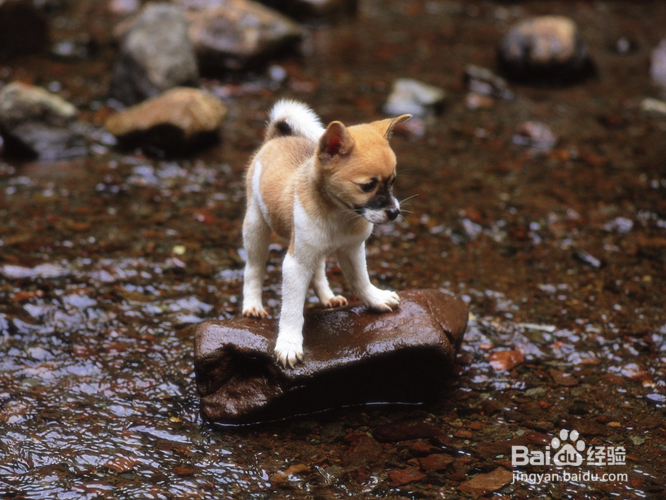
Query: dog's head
[(358, 168)]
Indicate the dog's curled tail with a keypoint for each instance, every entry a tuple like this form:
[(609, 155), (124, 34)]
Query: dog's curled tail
[(292, 118)]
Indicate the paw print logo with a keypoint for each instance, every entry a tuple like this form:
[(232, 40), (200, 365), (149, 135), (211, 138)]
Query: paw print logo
[(568, 453)]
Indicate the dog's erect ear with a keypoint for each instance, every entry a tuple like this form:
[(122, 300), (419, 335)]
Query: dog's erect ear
[(385, 127), (336, 141)]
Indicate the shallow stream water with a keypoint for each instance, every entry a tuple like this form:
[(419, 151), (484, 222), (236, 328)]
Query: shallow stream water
[(107, 262)]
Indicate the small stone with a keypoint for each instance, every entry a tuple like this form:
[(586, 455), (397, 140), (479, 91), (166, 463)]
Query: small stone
[(535, 135), (177, 121), (23, 29), (412, 97), (505, 360), (237, 35), (351, 355), (475, 101), (435, 462), (317, 11), (403, 431), (658, 64), (482, 484), (651, 105), (482, 81), (35, 123), (401, 477), (155, 54), (546, 50), (562, 378)]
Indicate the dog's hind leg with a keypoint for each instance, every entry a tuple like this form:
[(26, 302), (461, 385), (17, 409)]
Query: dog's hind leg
[(256, 235), (323, 289)]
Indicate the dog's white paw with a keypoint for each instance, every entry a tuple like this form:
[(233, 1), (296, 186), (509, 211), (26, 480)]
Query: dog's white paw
[(335, 301), (288, 352), (257, 312), (382, 300)]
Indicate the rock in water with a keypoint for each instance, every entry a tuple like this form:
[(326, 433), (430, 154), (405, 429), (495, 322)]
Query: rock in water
[(178, 121), (156, 54), (35, 123), (412, 97), (546, 50), (236, 35), (352, 356)]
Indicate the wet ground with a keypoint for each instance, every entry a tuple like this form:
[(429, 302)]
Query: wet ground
[(107, 262)]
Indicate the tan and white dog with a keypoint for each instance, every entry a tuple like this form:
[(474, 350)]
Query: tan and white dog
[(321, 190)]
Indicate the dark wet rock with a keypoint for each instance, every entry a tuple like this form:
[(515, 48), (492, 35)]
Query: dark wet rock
[(35, 123), (658, 64), (401, 477), (177, 121), (483, 81), (236, 35), (352, 357), (402, 431), (546, 50), (155, 54), (23, 29), (535, 135), (409, 96), (318, 11), (487, 482), (435, 462)]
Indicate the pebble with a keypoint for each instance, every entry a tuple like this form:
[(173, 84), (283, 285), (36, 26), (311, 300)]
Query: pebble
[(155, 54), (409, 96), (545, 50), (350, 358), (482, 81), (651, 105), (35, 123), (536, 135), (177, 121), (658, 64)]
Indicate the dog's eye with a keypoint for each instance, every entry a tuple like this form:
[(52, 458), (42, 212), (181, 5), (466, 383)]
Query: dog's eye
[(369, 186)]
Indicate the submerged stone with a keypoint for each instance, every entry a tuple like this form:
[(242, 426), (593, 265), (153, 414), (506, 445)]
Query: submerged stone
[(352, 356)]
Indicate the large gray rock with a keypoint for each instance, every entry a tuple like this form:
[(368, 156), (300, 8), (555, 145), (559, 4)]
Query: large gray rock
[(545, 50), (155, 54), (38, 124), (176, 122), (352, 356), (233, 35)]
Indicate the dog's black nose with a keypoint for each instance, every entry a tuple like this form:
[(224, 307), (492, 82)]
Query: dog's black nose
[(392, 213)]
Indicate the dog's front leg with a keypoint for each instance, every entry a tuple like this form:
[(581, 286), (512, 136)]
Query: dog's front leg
[(353, 265), (296, 276)]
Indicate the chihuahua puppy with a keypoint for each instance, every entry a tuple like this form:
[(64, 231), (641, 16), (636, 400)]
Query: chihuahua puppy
[(321, 190)]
